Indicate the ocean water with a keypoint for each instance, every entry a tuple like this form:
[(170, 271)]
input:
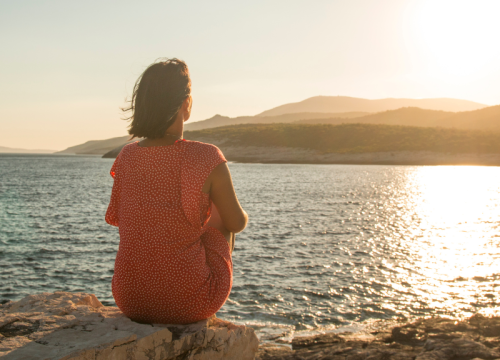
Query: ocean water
[(326, 245)]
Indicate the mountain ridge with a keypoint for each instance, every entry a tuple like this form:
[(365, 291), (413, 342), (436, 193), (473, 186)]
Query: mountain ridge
[(336, 104), (220, 120), (483, 118), (352, 138)]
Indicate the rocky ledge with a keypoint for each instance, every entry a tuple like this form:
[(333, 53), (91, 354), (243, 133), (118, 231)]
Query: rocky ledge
[(426, 339), (75, 326)]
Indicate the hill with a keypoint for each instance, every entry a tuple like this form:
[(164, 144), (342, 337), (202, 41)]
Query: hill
[(352, 138), (486, 118), (350, 144), (4, 149), (97, 147), (339, 104), (219, 120), (483, 119), (404, 116)]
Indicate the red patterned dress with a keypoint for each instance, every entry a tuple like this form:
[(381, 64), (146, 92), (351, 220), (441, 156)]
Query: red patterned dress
[(171, 267)]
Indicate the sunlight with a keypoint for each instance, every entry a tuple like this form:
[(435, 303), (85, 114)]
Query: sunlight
[(456, 200), (454, 195), (458, 208), (457, 38)]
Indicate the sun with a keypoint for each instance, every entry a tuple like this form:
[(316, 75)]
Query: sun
[(457, 39)]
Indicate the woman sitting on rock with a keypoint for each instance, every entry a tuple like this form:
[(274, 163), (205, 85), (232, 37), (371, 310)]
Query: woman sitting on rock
[(175, 207)]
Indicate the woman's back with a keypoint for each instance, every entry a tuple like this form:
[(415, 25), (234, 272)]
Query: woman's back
[(171, 267)]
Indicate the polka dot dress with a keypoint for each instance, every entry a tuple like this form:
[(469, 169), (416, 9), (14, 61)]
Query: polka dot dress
[(171, 267)]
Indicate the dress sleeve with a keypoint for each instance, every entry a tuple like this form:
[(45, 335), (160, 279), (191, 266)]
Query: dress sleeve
[(198, 162), (112, 212)]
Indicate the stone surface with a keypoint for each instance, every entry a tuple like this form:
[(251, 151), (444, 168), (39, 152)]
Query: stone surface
[(77, 326), (427, 339)]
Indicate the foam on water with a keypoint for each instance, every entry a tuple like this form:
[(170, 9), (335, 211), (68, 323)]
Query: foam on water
[(327, 246)]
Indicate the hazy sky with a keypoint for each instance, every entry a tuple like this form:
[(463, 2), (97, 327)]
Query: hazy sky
[(66, 67)]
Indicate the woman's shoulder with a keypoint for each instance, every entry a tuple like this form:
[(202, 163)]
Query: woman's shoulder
[(198, 147), (130, 146), (121, 158), (127, 149), (202, 153)]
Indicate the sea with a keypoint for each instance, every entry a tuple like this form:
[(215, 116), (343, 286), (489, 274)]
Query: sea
[(327, 247)]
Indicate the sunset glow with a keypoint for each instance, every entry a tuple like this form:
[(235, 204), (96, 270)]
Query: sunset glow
[(456, 40), (455, 204), (296, 179), (244, 58)]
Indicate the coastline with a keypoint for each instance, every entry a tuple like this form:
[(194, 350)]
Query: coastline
[(477, 337), (296, 155), (283, 155), (77, 326)]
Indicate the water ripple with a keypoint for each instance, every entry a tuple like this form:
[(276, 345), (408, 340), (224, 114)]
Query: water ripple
[(326, 244)]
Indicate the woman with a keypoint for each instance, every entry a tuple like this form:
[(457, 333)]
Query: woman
[(175, 207)]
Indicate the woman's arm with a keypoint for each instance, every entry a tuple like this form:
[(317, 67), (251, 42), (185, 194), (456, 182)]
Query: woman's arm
[(220, 187)]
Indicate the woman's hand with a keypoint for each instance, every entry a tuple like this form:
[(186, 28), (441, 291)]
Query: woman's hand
[(220, 187)]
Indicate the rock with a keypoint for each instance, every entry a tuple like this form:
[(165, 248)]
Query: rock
[(77, 326), (426, 339), (462, 348)]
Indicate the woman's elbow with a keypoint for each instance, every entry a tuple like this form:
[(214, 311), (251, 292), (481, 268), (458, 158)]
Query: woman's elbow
[(239, 224)]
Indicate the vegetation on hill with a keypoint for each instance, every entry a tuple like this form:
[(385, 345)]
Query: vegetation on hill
[(487, 119), (482, 119), (409, 116), (219, 120), (352, 138)]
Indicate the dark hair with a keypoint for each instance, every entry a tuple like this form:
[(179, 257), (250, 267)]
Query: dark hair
[(157, 98)]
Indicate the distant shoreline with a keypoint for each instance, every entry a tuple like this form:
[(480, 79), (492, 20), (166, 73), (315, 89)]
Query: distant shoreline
[(281, 155), (44, 152), (287, 155), (57, 154), (361, 163), (296, 156)]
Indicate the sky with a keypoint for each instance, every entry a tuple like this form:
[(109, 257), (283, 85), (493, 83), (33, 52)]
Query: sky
[(67, 67)]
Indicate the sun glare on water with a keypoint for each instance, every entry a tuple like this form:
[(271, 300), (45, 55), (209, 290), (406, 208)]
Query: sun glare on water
[(459, 208)]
